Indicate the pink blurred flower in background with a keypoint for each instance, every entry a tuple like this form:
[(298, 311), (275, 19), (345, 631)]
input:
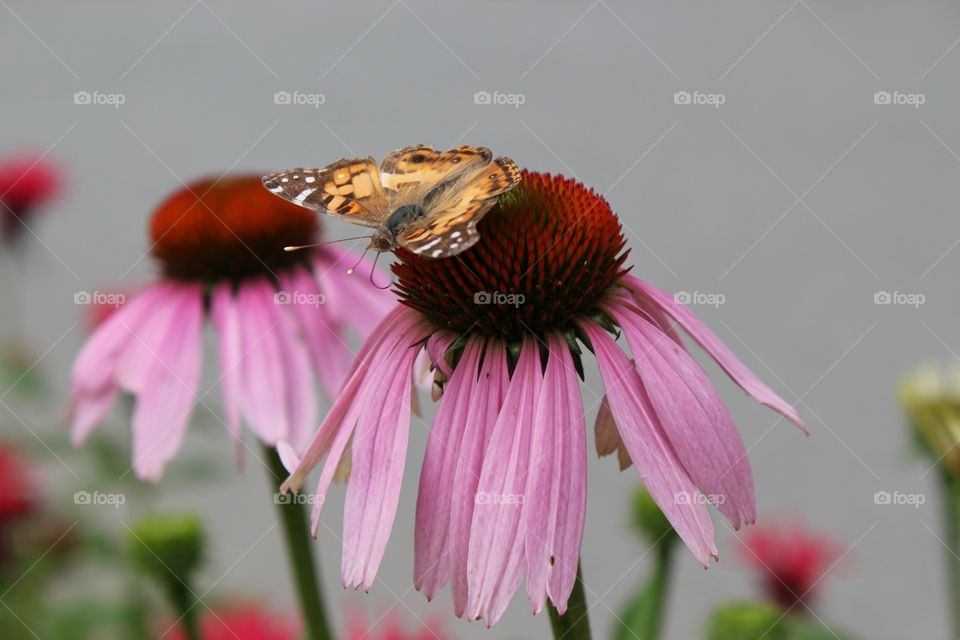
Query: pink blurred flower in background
[(789, 561), (503, 484), (27, 182), (282, 320), (393, 628)]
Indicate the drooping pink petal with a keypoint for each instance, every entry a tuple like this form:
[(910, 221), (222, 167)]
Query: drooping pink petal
[(88, 409), (166, 400), (481, 417), (738, 371), (693, 417), (607, 436), (440, 463), (347, 404), (437, 345), (96, 364), (299, 391), (352, 299), (325, 338), (262, 376), (556, 495), (662, 472), (143, 347), (495, 559), (378, 456), (230, 355)]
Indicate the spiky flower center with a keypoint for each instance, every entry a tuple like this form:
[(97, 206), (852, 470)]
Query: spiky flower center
[(548, 252), (228, 229)]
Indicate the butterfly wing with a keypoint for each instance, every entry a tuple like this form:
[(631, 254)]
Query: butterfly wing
[(414, 171), (450, 225), (349, 189)]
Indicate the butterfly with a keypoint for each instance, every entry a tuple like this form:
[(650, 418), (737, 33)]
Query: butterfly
[(420, 199)]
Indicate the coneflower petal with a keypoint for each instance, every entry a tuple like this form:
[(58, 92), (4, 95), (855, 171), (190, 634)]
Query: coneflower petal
[(431, 559), (343, 414), (351, 299), (93, 384), (378, 456), (556, 495), (495, 559), (693, 417), (663, 474), (485, 406), (331, 355), (262, 377), (299, 390), (227, 324), (738, 371), (168, 395), (607, 437)]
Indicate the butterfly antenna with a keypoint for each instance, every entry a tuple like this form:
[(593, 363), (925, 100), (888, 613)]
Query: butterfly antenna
[(373, 269), (362, 256), (298, 247)]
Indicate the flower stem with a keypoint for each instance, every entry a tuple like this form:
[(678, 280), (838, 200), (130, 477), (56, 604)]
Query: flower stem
[(185, 603), (656, 595), (574, 624), (951, 487), (296, 528)]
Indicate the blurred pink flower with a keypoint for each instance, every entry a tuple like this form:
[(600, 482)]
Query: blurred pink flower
[(238, 622), (281, 320), (789, 561), (503, 484), (26, 183)]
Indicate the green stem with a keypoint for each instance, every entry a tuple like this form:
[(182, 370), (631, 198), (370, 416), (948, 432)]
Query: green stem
[(951, 488), (574, 624), (656, 595), (296, 528), (185, 604)]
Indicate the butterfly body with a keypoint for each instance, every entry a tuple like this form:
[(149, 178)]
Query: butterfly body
[(420, 199)]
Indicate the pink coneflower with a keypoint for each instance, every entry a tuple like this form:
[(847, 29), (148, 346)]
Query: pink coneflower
[(26, 183), (281, 319), (239, 622), (789, 561), (503, 483)]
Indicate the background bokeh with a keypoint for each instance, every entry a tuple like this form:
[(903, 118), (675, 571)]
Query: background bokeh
[(797, 200)]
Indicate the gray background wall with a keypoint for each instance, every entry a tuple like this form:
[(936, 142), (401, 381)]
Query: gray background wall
[(797, 199)]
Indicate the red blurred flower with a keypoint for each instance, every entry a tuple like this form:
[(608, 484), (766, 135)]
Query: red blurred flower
[(237, 622), (17, 496), (393, 629), (26, 181), (790, 561)]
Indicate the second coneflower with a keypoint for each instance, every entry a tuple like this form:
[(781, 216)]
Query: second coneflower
[(503, 484), (281, 320)]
